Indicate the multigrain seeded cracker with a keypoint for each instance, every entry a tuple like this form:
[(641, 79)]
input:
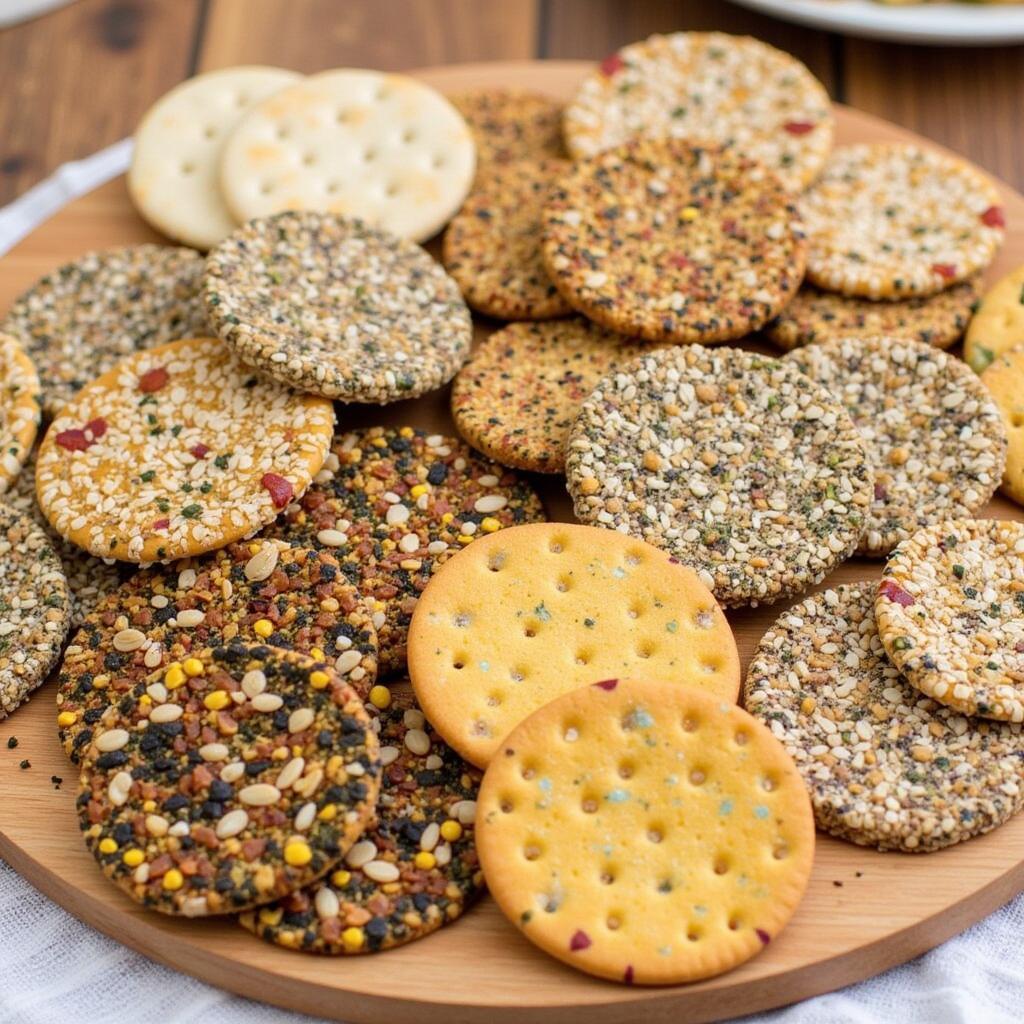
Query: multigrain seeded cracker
[(177, 451), (1003, 379), (511, 124), (527, 614), (673, 242), (254, 593), (385, 148), (251, 779), (950, 612), (492, 245), (88, 315), (518, 395), (394, 503), (736, 464), (645, 832), (35, 609), (885, 766), (936, 438), (412, 872), (173, 179), (330, 306), (709, 86), (814, 315), (998, 325), (19, 409), (892, 220)]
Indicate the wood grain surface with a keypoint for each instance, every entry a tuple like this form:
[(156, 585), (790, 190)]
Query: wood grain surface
[(77, 79), (863, 911)]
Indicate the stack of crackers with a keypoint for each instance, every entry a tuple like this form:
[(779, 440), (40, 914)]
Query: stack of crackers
[(234, 587)]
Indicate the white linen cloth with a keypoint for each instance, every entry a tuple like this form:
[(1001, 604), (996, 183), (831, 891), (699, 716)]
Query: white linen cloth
[(54, 969)]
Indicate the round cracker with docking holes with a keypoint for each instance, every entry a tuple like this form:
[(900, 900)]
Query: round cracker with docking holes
[(412, 872), (814, 315), (330, 306), (392, 505), (509, 125), (885, 765), (950, 612), (645, 832), (255, 592), (249, 781), (732, 90), (1003, 380), (492, 245), (173, 179), (889, 220), (998, 324), (518, 395), (385, 148), (178, 450), (35, 608), (936, 438), (88, 315), (673, 242), (19, 409), (737, 464), (527, 614)]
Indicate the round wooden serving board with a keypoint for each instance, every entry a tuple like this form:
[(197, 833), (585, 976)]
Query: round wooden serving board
[(863, 912)]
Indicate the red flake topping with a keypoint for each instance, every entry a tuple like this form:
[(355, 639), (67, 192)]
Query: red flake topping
[(799, 127), (97, 427), (580, 940), (153, 380), (893, 591), (679, 261), (200, 451), (73, 440), (763, 935), (281, 491), (607, 684), (881, 492), (612, 63), (994, 217), (627, 977), (161, 524), (946, 270)]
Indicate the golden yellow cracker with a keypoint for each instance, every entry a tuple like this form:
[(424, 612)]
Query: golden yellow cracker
[(528, 614), (20, 396), (645, 832), (998, 325), (1005, 382)]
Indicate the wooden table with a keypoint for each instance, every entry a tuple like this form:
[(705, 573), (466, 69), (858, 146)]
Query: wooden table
[(78, 79)]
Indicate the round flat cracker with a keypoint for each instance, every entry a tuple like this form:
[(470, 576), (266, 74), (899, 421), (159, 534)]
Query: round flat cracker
[(710, 86), (527, 614), (333, 307), (492, 245), (384, 148), (950, 612), (885, 766), (936, 438), (673, 242), (645, 832), (251, 780), (736, 464), (814, 315), (1003, 379), (177, 451), (19, 409), (88, 315), (173, 178), (518, 395), (254, 593), (35, 608), (889, 220), (998, 324), (392, 505), (412, 872)]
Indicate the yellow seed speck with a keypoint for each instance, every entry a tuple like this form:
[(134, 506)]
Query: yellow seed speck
[(149, 806), (193, 667), (263, 627), (353, 939), (341, 878), (173, 880), (450, 831), (447, 518), (271, 917), (318, 680), (66, 718), (425, 860), (419, 490), (464, 539), (380, 697), (490, 524), (174, 676), (218, 700), (317, 654), (133, 858), (297, 853), (690, 213), (328, 812), (108, 845)]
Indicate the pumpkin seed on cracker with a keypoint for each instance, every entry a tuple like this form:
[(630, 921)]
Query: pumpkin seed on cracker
[(329, 305), (412, 872), (893, 220), (672, 241), (737, 464), (885, 765), (250, 778), (950, 612), (85, 317), (936, 438)]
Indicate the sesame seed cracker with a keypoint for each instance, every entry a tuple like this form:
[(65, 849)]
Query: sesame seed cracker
[(19, 409), (735, 463)]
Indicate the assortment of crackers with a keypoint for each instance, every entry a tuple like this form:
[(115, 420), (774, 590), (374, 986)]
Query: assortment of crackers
[(336, 679)]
